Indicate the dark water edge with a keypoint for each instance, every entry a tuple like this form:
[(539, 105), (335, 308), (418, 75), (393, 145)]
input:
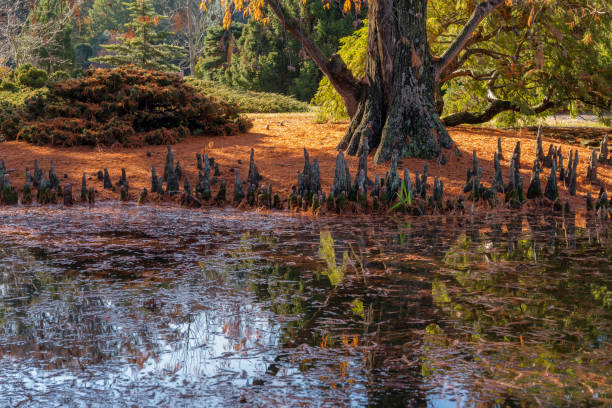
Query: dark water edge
[(122, 305)]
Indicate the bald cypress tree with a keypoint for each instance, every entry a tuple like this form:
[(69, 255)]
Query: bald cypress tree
[(144, 42)]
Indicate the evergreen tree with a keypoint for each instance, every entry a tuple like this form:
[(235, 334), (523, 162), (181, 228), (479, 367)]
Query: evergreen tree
[(144, 43), (52, 21)]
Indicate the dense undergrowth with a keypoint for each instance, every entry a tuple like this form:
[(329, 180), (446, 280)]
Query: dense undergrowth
[(250, 101), (128, 106)]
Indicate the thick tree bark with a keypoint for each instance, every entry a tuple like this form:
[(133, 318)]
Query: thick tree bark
[(397, 111), (396, 105)]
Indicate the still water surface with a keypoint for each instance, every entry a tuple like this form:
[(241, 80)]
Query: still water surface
[(125, 305)]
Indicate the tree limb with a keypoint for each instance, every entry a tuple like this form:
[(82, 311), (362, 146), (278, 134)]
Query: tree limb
[(496, 107), (480, 12), (336, 71)]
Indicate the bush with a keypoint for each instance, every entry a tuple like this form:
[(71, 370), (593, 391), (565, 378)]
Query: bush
[(58, 76), (128, 106), (31, 77), (250, 101), (6, 85)]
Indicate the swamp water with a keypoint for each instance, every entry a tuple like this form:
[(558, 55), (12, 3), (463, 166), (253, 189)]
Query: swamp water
[(124, 305)]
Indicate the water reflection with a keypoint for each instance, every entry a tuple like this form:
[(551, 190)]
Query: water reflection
[(143, 305)]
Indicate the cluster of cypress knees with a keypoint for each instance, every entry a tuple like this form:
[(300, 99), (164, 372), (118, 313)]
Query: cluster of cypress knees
[(48, 190), (308, 195), (513, 190)]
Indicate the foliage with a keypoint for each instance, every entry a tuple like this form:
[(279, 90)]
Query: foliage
[(404, 198), (58, 76), (532, 53), (353, 52), (144, 42), (28, 76), (327, 253), (524, 54), (103, 18), (218, 48), (263, 56), (37, 32), (56, 53), (250, 101), (128, 106)]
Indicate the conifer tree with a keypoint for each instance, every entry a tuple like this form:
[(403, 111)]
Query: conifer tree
[(144, 43)]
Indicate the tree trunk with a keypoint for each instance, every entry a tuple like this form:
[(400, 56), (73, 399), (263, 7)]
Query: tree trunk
[(396, 110)]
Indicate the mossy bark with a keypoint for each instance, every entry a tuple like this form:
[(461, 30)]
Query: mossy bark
[(397, 109)]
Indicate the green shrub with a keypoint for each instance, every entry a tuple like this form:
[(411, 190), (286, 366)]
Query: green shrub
[(31, 77), (6, 85), (58, 76), (250, 101)]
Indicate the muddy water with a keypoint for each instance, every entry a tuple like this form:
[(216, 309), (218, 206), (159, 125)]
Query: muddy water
[(162, 306)]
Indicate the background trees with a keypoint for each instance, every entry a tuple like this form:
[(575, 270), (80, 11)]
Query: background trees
[(144, 41), (39, 35), (524, 61)]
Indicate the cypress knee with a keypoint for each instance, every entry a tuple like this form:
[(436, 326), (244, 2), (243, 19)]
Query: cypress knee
[(592, 169), (500, 154), (238, 192), (91, 196), (169, 166), (68, 201), (603, 151), (38, 174), (124, 193), (84, 189), (551, 191), (178, 170), (107, 182), (221, 195), (53, 180), (535, 188), (498, 181), (26, 193), (539, 149), (340, 181), (573, 175)]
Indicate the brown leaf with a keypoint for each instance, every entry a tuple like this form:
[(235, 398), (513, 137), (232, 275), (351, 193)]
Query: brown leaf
[(416, 60)]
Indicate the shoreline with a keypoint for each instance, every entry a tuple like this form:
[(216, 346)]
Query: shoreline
[(278, 141)]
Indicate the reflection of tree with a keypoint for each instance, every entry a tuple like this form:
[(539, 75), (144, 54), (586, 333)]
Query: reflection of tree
[(534, 319), (47, 315)]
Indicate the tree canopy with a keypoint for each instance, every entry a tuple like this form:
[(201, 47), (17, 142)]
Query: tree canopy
[(144, 42)]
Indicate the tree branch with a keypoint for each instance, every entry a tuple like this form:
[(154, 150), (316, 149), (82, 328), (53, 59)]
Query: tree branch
[(480, 12), (467, 73), (336, 71), (496, 107)]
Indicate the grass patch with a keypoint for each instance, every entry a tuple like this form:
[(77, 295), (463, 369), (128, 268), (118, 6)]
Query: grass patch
[(18, 96), (250, 101)]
